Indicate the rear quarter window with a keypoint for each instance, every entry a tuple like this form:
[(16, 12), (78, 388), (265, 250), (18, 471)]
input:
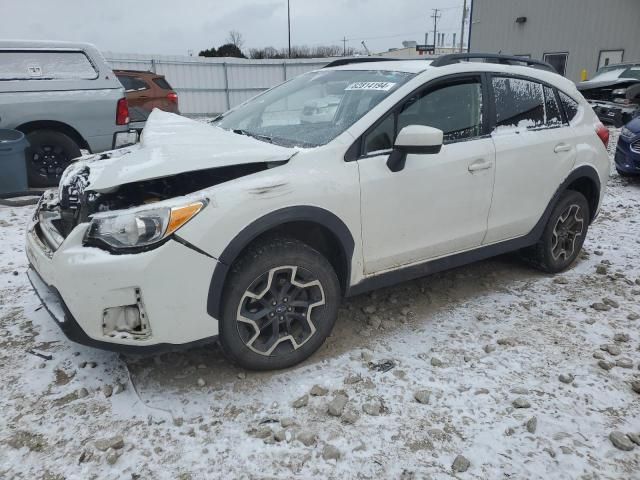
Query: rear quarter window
[(45, 65), (570, 106), (162, 83)]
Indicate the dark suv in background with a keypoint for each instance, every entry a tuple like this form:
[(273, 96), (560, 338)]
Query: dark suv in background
[(146, 91)]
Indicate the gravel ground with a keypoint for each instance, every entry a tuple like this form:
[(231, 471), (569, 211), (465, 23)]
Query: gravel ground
[(489, 371)]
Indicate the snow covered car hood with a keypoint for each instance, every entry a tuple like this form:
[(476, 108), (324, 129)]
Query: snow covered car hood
[(172, 144), (589, 84)]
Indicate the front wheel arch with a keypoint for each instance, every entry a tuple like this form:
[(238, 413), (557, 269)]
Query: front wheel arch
[(298, 222), (55, 126)]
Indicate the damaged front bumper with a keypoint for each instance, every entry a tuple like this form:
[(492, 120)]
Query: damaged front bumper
[(149, 301)]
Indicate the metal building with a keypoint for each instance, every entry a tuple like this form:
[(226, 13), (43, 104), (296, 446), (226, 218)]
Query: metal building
[(572, 35)]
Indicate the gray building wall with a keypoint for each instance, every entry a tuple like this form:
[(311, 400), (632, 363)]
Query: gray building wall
[(580, 27)]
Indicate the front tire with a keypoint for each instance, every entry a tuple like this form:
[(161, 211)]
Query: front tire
[(48, 155), (280, 304), (563, 235)]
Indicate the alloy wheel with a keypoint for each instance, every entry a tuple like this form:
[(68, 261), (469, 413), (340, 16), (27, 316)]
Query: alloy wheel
[(276, 313), (568, 228)]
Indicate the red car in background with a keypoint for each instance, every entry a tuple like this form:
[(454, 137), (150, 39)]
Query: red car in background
[(146, 91)]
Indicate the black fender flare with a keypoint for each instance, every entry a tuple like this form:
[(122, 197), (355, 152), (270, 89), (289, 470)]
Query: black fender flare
[(262, 225)]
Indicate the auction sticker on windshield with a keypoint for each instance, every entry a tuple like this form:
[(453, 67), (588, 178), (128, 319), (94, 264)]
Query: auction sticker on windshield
[(383, 86)]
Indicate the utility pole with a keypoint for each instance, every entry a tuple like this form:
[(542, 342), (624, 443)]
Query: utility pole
[(436, 16), (464, 17), (289, 25), (344, 46)]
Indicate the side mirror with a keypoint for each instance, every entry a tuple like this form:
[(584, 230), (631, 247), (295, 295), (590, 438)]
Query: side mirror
[(416, 139)]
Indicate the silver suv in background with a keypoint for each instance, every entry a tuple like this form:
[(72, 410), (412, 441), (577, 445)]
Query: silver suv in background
[(64, 97)]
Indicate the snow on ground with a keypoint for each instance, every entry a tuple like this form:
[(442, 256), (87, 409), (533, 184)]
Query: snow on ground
[(477, 338)]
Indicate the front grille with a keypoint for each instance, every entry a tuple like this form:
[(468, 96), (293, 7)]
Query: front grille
[(635, 146)]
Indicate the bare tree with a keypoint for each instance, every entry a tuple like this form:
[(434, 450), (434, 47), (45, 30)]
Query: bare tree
[(235, 37), (300, 51), (262, 53)]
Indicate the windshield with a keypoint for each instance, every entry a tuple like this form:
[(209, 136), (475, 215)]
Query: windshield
[(314, 108), (614, 73)]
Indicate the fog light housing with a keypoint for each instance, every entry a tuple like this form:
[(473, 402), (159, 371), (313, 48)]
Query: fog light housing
[(126, 321)]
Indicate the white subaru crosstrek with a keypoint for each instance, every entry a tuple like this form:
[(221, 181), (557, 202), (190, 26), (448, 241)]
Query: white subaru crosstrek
[(252, 229)]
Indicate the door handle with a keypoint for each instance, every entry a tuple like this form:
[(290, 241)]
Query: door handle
[(562, 147), (480, 165)]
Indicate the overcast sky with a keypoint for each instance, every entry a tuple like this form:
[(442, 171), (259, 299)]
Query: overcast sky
[(175, 27)]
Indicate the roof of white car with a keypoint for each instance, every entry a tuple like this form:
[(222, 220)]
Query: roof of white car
[(420, 66), (409, 66)]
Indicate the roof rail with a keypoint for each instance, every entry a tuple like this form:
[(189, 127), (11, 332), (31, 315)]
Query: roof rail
[(491, 58), (350, 60)]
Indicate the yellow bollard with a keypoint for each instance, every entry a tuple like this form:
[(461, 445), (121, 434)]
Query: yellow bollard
[(583, 74)]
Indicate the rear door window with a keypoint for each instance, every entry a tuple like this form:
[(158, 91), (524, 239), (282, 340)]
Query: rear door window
[(45, 65), (519, 103)]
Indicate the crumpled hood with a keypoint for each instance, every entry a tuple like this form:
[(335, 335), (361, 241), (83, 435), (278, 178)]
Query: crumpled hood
[(172, 144), (590, 84)]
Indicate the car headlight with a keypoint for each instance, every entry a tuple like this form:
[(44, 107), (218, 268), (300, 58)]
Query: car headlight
[(141, 228), (619, 91), (625, 132)]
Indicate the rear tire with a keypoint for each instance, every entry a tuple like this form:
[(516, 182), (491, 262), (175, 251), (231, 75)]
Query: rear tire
[(48, 155), (280, 304), (563, 235)]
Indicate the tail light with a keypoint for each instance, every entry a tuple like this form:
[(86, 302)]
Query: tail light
[(122, 112), (172, 97), (603, 133)]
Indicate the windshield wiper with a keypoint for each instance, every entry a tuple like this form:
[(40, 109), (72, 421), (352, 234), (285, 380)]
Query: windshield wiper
[(265, 138)]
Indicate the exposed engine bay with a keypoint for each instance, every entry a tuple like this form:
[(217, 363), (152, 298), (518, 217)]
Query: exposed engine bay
[(77, 201)]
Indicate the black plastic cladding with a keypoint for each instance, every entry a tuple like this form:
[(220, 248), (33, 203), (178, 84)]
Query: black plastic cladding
[(270, 221), (434, 266), (340, 230)]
